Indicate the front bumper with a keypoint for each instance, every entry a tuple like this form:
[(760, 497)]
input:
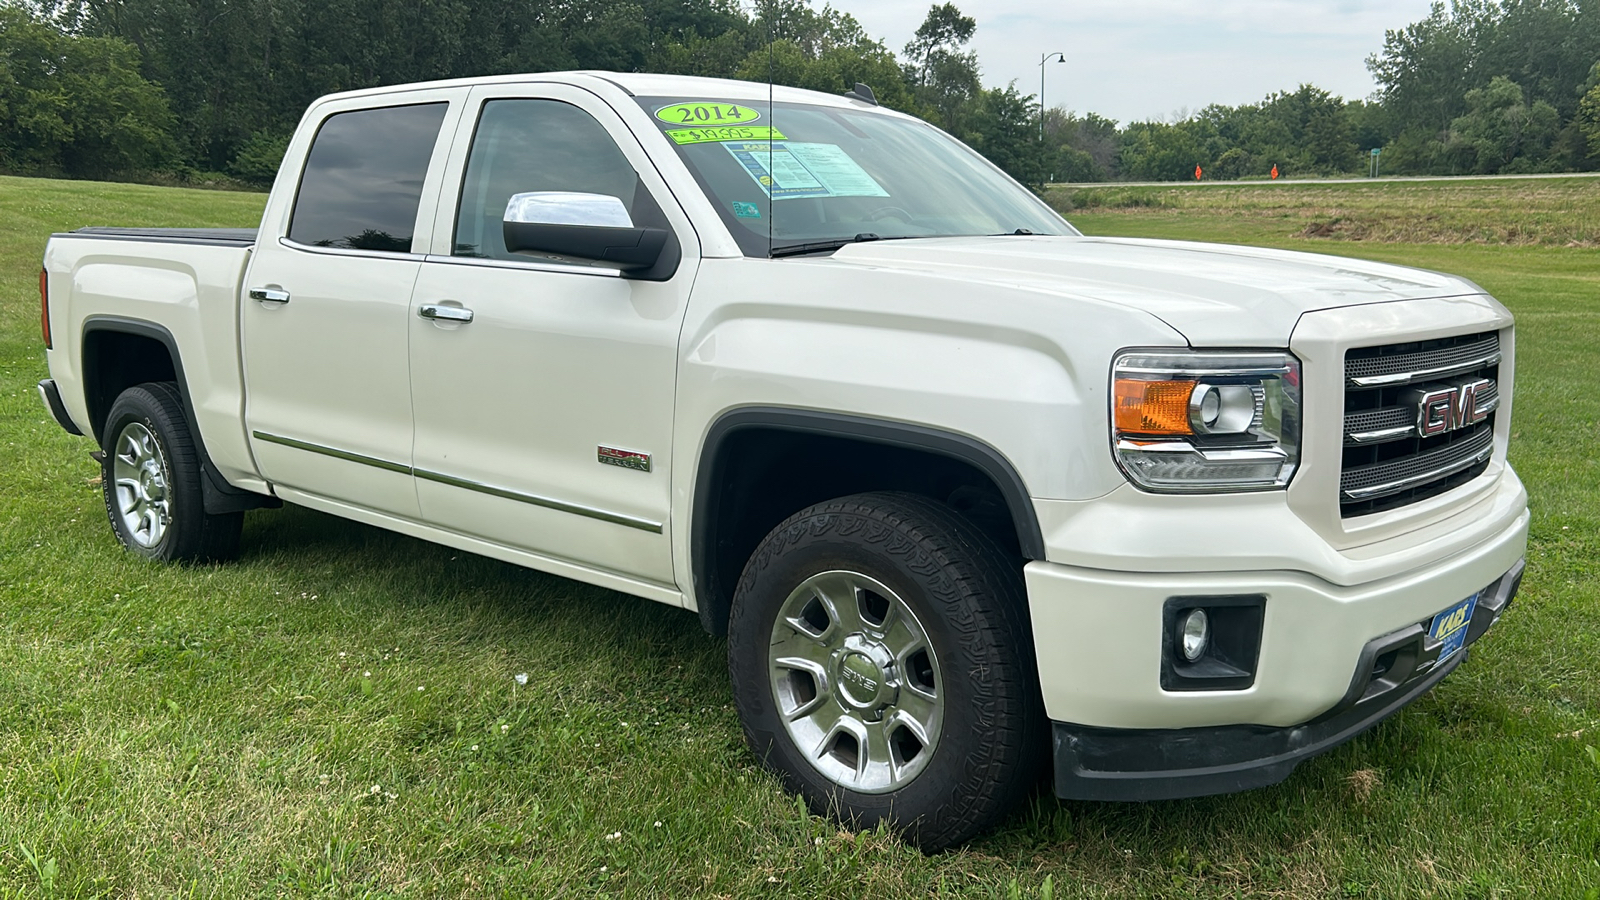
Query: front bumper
[(1165, 764)]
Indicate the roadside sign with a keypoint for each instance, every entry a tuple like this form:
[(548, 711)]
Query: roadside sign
[(1376, 150)]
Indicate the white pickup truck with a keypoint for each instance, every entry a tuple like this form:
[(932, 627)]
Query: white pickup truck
[(966, 490)]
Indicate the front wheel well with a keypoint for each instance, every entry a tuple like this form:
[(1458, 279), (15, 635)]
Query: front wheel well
[(760, 466)]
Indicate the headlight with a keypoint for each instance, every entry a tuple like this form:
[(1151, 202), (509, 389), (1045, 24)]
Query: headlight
[(1206, 422)]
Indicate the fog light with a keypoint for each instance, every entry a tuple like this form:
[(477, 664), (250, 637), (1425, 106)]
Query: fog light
[(1195, 635)]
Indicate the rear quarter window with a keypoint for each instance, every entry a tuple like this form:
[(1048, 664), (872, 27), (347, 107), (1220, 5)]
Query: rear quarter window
[(362, 182)]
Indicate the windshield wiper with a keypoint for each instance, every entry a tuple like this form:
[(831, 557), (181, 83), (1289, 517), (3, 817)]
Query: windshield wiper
[(822, 246)]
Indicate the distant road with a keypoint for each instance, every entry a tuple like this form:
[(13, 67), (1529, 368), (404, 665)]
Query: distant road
[(1259, 183)]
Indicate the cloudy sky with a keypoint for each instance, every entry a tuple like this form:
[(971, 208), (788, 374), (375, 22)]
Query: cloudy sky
[(1144, 59)]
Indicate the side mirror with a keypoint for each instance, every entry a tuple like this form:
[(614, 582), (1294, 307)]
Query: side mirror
[(583, 226)]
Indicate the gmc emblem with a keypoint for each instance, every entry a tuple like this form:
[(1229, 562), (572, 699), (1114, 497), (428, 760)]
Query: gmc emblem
[(1444, 409)]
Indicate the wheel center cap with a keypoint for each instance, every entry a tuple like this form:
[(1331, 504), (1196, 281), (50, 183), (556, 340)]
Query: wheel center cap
[(864, 672)]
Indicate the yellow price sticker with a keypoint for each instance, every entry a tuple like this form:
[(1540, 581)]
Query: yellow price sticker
[(725, 133), (701, 114)]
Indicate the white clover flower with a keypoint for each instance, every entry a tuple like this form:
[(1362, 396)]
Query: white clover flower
[(366, 674), (421, 688), (474, 748), (522, 677), (504, 728), (375, 789), (658, 823)]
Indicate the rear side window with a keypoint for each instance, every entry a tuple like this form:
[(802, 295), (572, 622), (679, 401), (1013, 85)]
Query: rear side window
[(522, 146), (363, 178)]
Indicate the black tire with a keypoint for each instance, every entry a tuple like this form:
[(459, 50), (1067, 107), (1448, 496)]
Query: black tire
[(171, 464), (967, 598)]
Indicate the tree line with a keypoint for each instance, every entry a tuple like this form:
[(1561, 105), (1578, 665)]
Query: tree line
[(200, 90)]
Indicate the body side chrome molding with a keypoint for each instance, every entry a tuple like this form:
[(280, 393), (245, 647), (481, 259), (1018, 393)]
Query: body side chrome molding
[(441, 478), (345, 455), (546, 502), (529, 265)]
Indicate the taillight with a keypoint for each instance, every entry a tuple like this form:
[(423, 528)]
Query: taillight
[(44, 306)]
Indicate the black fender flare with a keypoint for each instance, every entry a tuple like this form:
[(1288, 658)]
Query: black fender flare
[(219, 495), (981, 456)]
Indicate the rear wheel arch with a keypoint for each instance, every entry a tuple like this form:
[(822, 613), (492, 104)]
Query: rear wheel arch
[(118, 353), (759, 465)]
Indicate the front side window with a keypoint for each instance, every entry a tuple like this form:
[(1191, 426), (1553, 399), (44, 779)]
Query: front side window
[(363, 178), (791, 174), (525, 146)]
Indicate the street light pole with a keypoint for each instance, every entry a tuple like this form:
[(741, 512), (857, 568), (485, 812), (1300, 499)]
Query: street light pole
[(1044, 58)]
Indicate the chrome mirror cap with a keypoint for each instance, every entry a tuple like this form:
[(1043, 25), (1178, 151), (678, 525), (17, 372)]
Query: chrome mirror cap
[(567, 208)]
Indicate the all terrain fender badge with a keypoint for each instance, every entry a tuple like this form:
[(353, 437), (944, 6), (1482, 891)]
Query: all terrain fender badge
[(627, 459)]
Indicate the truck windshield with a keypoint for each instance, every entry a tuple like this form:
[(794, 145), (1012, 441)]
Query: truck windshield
[(813, 177)]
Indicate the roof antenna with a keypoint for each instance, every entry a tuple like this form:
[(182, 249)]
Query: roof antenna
[(862, 92)]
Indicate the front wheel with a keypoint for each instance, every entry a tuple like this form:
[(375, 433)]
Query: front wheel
[(151, 478), (882, 667)]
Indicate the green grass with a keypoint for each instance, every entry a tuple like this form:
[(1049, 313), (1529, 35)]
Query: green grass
[(214, 732), (1557, 212)]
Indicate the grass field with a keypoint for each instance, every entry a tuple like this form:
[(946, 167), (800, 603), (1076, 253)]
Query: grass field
[(342, 712)]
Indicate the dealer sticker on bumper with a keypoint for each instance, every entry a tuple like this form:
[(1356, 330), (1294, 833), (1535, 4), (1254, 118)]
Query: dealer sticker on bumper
[(1450, 627)]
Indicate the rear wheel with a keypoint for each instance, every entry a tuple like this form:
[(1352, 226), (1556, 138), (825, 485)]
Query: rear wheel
[(151, 477), (882, 666)]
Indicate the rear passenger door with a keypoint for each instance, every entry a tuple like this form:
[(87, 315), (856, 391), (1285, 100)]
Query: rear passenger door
[(545, 422), (326, 314)]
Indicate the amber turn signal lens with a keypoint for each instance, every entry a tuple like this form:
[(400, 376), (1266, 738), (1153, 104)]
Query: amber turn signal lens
[(1153, 407)]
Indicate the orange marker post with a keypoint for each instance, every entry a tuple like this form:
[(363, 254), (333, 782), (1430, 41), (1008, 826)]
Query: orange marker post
[(1274, 172), (1197, 172)]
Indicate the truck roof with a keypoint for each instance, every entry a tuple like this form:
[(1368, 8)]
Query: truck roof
[(635, 84)]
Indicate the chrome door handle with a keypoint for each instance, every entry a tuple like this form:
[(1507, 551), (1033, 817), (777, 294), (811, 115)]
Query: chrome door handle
[(444, 313), (269, 295)]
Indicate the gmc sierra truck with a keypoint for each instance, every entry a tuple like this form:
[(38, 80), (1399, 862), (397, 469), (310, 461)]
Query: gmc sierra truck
[(968, 492)]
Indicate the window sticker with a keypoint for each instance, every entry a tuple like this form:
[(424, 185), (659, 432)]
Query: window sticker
[(702, 113), (746, 210), (724, 133), (789, 170)]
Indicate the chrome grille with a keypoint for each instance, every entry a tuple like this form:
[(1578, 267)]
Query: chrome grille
[(1382, 479), (1388, 462), (1370, 426), (1457, 356)]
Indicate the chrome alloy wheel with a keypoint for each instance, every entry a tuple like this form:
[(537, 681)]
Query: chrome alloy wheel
[(856, 681), (139, 474)]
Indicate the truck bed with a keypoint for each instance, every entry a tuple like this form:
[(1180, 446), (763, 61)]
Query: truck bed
[(180, 286)]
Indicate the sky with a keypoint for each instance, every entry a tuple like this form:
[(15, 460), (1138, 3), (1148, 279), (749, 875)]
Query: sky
[(1133, 60)]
